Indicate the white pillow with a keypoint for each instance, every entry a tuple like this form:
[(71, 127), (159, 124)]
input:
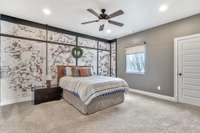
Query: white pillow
[(68, 71)]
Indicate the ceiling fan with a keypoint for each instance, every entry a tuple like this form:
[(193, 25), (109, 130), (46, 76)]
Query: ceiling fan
[(103, 17)]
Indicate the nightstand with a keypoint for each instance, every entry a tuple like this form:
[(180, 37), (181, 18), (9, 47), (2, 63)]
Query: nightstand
[(42, 95)]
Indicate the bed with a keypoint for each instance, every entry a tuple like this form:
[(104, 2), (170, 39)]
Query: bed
[(93, 93)]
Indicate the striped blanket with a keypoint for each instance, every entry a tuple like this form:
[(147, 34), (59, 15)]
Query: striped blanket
[(88, 88)]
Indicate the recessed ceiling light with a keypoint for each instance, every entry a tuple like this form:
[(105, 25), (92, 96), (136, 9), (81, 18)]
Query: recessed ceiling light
[(46, 11), (108, 31), (163, 8)]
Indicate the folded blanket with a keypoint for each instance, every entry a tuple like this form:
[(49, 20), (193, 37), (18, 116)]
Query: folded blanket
[(87, 88)]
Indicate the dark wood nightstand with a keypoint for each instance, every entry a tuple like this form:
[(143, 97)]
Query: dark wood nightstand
[(42, 95)]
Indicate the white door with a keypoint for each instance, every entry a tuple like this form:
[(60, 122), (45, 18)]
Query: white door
[(189, 70)]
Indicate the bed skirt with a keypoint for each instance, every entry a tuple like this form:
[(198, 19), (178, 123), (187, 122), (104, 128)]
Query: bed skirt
[(97, 104)]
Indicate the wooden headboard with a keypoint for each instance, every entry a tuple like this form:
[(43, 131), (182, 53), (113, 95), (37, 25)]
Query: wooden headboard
[(61, 70)]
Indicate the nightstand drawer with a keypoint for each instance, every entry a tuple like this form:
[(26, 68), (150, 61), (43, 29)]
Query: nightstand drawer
[(41, 99), (47, 94)]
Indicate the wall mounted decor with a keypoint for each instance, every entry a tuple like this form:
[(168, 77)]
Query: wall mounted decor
[(77, 52)]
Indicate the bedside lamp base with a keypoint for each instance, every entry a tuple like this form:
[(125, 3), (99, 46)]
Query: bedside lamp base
[(48, 83)]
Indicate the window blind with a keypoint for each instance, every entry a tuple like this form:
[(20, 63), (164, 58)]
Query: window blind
[(135, 49)]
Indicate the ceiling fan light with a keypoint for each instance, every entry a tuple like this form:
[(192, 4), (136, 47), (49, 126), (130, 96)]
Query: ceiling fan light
[(103, 21), (46, 11), (108, 31), (163, 8)]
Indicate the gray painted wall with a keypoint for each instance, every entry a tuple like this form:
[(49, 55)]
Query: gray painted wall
[(159, 55)]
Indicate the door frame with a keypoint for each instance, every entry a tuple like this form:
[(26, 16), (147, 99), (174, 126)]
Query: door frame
[(176, 40)]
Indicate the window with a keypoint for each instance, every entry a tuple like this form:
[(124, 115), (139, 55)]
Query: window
[(135, 60)]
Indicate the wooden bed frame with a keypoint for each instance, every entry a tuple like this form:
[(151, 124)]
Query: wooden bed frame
[(97, 104)]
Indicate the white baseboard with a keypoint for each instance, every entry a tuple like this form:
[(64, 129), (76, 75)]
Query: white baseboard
[(151, 94), (12, 101)]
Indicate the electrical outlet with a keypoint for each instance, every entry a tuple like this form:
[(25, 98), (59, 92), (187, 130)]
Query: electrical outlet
[(158, 88)]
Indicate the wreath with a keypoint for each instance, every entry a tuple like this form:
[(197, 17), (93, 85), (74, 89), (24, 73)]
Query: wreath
[(77, 52)]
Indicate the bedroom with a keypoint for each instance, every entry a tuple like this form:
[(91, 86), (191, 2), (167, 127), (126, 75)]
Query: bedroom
[(134, 68)]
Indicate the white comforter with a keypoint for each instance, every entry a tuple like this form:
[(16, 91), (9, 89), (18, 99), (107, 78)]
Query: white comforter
[(87, 88)]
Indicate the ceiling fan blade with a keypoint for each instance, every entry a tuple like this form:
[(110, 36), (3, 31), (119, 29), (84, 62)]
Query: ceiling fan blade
[(115, 23), (93, 12), (101, 27), (88, 22), (117, 13)]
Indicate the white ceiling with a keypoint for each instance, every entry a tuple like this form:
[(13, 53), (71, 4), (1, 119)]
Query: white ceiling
[(68, 14)]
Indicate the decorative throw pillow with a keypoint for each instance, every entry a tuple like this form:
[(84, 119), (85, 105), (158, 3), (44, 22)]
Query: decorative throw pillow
[(84, 72), (68, 71), (90, 71), (75, 71)]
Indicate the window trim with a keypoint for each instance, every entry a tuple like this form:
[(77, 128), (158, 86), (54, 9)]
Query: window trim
[(136, 73)]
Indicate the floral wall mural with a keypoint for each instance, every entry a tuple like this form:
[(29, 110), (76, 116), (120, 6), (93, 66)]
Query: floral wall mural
[(113, 59), (59, 55), (29, 53), (104, 63), (89, 58), (61, 38), (103, 45), (22, 30), (26, 65), (87, 42)]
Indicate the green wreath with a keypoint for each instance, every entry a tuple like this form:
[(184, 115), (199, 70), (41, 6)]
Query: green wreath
[(77, 52)]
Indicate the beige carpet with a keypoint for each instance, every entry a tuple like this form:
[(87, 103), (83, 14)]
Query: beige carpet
[(139, 114)]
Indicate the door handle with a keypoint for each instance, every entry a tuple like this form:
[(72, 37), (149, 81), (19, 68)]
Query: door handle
[(180, 74)]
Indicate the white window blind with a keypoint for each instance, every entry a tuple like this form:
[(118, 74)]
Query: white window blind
[(136, 49)]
